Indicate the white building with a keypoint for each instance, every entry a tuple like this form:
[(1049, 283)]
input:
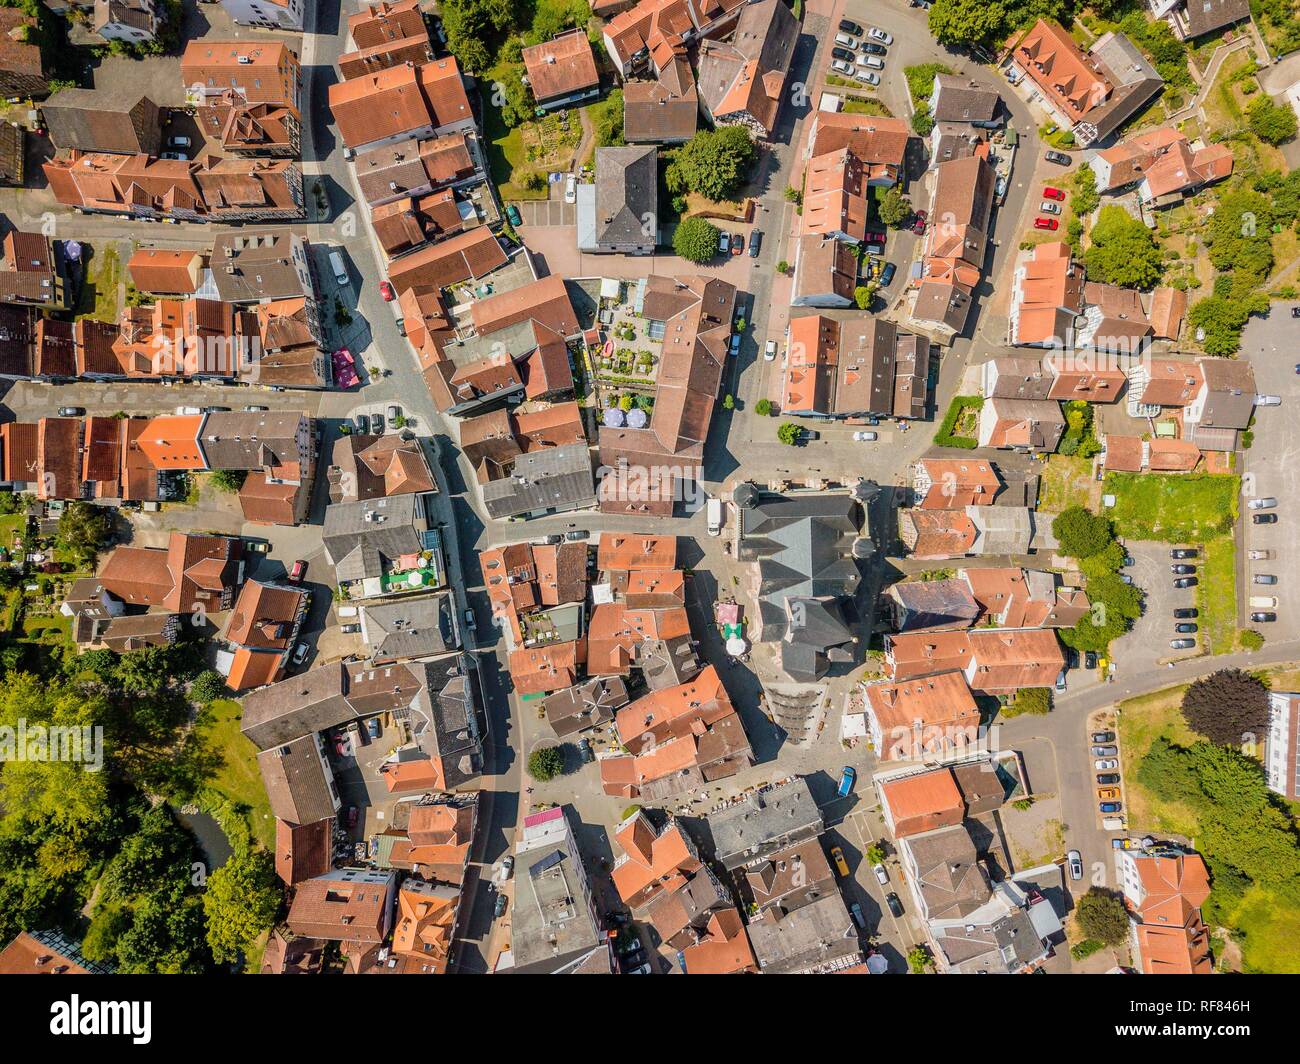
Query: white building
[(269, 14), (1280, 763)]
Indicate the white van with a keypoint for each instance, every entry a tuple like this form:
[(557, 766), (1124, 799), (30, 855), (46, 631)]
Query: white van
[(713, 510), (1263, 602), (1112, 823), (340, 271)]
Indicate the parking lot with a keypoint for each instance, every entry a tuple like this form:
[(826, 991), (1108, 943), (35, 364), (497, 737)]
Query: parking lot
[(1272, 469)]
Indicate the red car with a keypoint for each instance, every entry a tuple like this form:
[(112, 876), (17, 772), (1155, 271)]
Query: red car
[(298, 571), (386, 290), (1046, 223), (737, 243), (918, 222), (1053, 193)]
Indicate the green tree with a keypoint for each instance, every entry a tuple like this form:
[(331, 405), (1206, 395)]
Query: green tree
[(894, 207), (84, 530), (728, 403), (230, 480), (607, 120), (1101, 915), (959, 22), (1270, 122), (763, 407), (920, 960), (240, 903), (788, 433), (864, 294), (1086, 197), (875, 854), (1034, 701), (1228, 707), (552, 17), (1082, 533), (546, 763), (510, 95), (695, 239), (1223, 318), (1123, 251), (207, 686), (713, 163)]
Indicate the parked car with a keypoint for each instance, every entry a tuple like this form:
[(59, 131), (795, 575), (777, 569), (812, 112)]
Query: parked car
[(1186, 628), (724, 239), (1266, 503), (1264, 578), (585, 751), (1259, 555), (1046, 223), (843, 54), (470, 621), (839, 66), (1264, 519), (855, 911), (507, 867), (386, 290), (394, 415), (1108, 794), (257, 546), (837, 859), (918, 222), (871, 62), (177, 156), (576, 535), (734, 347), (1264, 617), (645, 969), (882, 877), (1295, 313), (865, 437), (1103, 737), (350, 817), (846, 40), (1181, 644), (300, 653), (1182, 570), (872, 48), (1186, 613), (1053, 193), (513, 216), (298, 571), (377, 425), (1058, 157), (373, 727), (1268, 400), (870, 77), (633, 958), (895, 906), (769, 351), (887, 274), (1048, 207), (1186, 581), (755, 242), (571, 189), (499, 908), (178, 141), (1060, 680), (1105, 763), (1105, 751), (350, 628), (847, 778), (849, 26), (737, 243), (1110, 807), (1075, 860), (1108, 779), (72, 411), (877, 34), (1185, 552), (1090, 659)]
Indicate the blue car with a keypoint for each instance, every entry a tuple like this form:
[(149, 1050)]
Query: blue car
[(1109, 807), (847, 778), (887, 274)]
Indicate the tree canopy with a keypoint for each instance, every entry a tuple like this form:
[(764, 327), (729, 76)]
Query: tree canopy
[(1123, 251), (714, 163), (894, 207), (1270, 122), (1082, 533), (1228, 707), (84, 530), (1102, 916), (240, 903), (546, 763), (695, 239)]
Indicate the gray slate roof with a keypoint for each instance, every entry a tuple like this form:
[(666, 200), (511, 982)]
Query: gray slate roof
[(360, 537), (555, 478)]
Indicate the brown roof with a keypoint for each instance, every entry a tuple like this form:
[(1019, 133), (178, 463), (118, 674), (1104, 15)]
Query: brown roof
[(997, 659), (630, 550), (379, 106), (345, 905), (1168, 309), (666, 109), (264, 615), (561, 66), (922, 802), (467, 255), (302, 851), (261, 71), (1171, 382), (169, 271)]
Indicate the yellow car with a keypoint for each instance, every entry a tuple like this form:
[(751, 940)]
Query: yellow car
[(837, 855), (1108, 794)]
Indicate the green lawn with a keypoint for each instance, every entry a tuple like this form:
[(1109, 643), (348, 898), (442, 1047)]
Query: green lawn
[(1066, 481), (1269, 926), (238, 778), (1216, 596), (1173, 509), (99, 291), (1141, 721)]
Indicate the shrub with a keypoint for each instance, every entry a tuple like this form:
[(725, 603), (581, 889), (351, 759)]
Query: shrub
[(1082, 533), (1250, 639), (763, 408), (1085, 949), (207, 686), (695, 240), (1227, 706), (788, 433), (1102, 916)]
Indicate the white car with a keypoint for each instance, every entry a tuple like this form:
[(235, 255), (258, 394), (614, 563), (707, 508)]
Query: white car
[(877, 34), (846, 40), (1104, 763), (882, 877), (869, 76), (1266, 503), (571, 190), (769, 351), (841, 67), (1268, 400), (1076, 864), (178, 156), (874, 62), (1048, 207), (864, 437)]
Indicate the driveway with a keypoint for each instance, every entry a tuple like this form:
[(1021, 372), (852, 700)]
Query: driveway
[(1146, 646), (548, 212)]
